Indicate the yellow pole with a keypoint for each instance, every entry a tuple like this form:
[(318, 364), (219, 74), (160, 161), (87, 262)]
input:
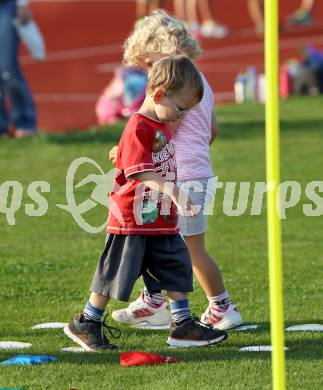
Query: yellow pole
[(273, 175)]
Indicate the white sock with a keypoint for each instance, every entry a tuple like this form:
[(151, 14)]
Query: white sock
[(219, 299), (155, 298)]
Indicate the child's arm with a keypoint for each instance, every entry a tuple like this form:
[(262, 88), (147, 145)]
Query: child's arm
[(113, 154), (214, 128), (158, 183)]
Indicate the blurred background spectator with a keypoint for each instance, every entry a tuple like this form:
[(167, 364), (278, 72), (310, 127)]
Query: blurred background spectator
[(256, 14), (123, 96), (146, 7), (13, 85), (302, 16), (126, 91), (190, 10), (82, 61)]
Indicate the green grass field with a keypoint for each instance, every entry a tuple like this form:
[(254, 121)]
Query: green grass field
[(47, 263)]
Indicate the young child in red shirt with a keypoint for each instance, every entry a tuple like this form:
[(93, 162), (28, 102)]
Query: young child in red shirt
[(144, 238), (157, 36)]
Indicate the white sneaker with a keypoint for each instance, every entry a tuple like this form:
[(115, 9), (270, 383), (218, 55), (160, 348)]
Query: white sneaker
[(141, 315), (193, 27), (223, 319), (213, 30)]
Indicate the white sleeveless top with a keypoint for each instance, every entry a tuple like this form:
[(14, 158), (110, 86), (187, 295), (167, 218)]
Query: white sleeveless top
[(192, 139)]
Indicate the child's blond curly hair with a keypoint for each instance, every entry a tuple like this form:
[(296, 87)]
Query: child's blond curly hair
[(162, 34)]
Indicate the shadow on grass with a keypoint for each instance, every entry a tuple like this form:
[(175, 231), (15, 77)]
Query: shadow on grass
[(228, 130), (110, 134), (307, 346), (302, 346), (306, 349), (257, 128)]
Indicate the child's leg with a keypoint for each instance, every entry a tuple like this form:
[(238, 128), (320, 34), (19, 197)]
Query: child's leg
[(87, 329), (180, 9), (192, 15), (307, 5), (154, 298), (205, 269), (167, 263), (221, 312), (205, 10), (179, 306), (255, 12), (154, 5), (117, 271), (176, 296), (99, 301), (95, 307), (185, 331), (141, 8), (303, 15), (210, 28), (186, 10)]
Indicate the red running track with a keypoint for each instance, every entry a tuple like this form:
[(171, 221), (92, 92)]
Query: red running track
[(84, 43)]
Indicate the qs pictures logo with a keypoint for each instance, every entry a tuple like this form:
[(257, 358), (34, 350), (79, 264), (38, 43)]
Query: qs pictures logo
[(100, 195)]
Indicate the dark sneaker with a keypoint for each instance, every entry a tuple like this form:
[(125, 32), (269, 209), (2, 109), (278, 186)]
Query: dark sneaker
[(90, 335), (193, 333)]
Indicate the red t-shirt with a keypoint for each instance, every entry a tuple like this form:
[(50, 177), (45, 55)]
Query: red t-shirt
[(145, 145)]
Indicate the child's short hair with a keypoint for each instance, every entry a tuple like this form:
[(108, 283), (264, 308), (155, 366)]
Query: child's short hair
[(175, 73), (159, 33)]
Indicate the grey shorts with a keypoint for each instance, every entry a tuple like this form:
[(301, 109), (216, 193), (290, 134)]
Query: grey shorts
[(190, 226), (162, 260)]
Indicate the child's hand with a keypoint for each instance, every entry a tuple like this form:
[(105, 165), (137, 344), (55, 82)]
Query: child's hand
[(113, 154), (192, 209), (184, 203), (181, 198)]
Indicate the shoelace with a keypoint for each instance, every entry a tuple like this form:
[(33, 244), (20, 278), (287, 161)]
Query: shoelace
[(203, 326), (110, 330), (197, 319)]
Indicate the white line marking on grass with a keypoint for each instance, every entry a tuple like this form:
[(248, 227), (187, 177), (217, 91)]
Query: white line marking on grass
[(14, 345), (242, 328), (50, 325), (74, 349), (306, 327), (259, 348)]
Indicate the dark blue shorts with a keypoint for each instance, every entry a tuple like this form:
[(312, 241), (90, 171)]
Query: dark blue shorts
[(162, 260)]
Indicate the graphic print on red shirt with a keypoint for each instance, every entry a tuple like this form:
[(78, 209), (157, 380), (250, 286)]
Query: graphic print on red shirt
[(145, 145)]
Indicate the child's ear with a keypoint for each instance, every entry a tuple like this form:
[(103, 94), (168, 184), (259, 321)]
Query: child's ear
[(158, 95)]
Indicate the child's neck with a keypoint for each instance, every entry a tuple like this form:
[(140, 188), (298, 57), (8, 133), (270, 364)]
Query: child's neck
[(148, 111)]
